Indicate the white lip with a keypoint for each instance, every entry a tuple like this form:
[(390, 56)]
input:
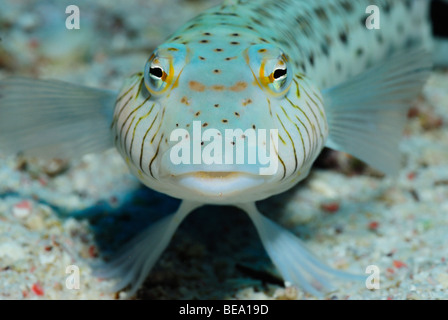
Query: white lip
[(221, 183)]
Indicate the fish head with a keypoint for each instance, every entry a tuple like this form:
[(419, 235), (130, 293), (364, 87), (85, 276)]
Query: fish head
[(219, 125)]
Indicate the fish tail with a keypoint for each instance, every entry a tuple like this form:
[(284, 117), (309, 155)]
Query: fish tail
[(366, 115), (50, 118), (295, 263)]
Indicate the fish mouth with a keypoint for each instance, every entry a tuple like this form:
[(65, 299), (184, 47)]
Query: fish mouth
[(219, 183), (215, 175), (212, 183)]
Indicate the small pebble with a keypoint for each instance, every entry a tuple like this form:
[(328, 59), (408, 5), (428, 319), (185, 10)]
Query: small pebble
[(22, 209), (37, 289), (55, 167), (399, 264), (373, 225), (331, 207)]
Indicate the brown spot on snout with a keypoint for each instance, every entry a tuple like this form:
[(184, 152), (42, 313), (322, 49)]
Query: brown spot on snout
[(184, 100), (239, 86), (196, 86), (218, 88), (247, 101)]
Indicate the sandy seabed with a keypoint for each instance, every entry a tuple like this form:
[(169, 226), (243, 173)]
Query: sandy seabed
[(55, 214)]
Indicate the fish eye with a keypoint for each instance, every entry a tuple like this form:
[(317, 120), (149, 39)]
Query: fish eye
[(271, 69), (164, 65), (279, 77), (279, 74), (158, 74), (277, 80)]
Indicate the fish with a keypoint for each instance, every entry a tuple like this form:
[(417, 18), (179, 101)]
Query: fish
[(286, 78)]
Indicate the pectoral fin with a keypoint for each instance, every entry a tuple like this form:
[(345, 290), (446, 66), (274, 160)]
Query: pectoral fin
[(366, 115), (49, 118)]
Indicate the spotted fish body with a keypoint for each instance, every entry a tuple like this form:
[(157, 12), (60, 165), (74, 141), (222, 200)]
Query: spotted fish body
[(326, 43), (309, 69), (326, 40)]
